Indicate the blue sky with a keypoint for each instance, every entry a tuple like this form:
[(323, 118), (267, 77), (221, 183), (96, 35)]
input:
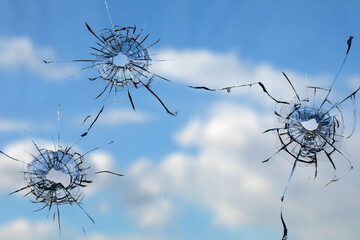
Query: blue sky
[(198, 175)]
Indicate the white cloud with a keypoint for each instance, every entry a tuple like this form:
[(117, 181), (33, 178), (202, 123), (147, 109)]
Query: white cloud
[(210, 178), (7, 125), (227, 178), (218, 70), (123, 116), (20, 53), (10, 177), (24, 229), (204, 66), (99, 161), (144, 199), (16, 125)]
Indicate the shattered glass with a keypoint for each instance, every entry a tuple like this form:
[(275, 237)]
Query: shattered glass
[(308, 128), (122, 60), (46, 187), (57, 177)]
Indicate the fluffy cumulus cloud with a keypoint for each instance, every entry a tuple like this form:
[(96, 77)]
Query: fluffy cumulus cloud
[(217, 70), (218, 165), (100, 161), (227, 160), (210, 178), (19, 53), (10, 177), (144, 197), (226, 177), (24, 229)]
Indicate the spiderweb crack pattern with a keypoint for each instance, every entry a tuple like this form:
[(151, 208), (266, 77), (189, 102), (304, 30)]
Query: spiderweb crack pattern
[(307, 129)]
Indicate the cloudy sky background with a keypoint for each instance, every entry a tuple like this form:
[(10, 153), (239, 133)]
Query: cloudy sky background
[(198, 175)]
